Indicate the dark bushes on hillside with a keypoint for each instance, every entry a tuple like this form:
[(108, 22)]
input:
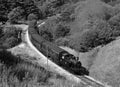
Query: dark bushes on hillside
[(100, 34), (61, 31), (53, 29), (15, 15), (46, 35), (11, 37), (84, 42), (14, 67), (8, 59), (62, 41)]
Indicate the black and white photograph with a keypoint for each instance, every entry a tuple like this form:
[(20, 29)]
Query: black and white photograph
[(59, 43)]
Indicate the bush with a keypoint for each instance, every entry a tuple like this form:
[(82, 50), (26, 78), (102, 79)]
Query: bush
[(11, 31), (10, 42), (31, 17), (11, 36), (18, 70), (1, 31), (100, 33), (84, 42), (62, 41), (107, 1), (53, 30), (115, 25), (68, 14), (15, 15), (8, 58), (114, 2), (46, 35), (61, 31)]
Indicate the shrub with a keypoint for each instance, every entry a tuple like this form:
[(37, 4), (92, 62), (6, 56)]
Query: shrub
[(1, 31), (15, 15), (46, 35), (10, 42), (107, 1), (62, 41), (18, 70), (10, 36), (8, 59), (11, 31), (31, 17), (104, 32), (115, 25), (52, 30), (114, 2), (100, 33), (61, 31), (85, 41)]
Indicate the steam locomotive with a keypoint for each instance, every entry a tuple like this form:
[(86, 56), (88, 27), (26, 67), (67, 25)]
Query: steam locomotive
[(55, 53)]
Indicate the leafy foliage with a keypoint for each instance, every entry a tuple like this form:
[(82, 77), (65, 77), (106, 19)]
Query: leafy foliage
[(16, 6), (106, 1), (9, 36), (100, 33), (22, 70), (31, 17), (42, 8), (61, 31), (46, 35), (15, 15), (16, 72), (53, 29)]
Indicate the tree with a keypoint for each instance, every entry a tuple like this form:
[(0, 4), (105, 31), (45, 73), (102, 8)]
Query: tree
[(46, 35), (15, 15), (106, 1), (10, 37), (61, 31), (31, 17)]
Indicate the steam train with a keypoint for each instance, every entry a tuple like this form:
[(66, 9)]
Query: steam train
[(56, 54)]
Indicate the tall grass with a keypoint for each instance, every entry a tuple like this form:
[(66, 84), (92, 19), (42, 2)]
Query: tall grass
[(15, 72)]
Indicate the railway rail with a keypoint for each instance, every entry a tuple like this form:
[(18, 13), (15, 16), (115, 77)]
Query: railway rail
[(91, 82)]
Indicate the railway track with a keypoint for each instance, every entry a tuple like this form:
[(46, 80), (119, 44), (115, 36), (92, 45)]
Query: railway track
[(91, 82)]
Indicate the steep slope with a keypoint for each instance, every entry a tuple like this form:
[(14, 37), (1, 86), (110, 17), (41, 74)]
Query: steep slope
[(107, 64), (104, 63)]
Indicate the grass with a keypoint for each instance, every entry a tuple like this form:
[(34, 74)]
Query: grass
[(15, 72), (18, 73)]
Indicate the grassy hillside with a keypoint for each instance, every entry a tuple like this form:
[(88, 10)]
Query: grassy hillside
[(104, 62), (16, 72)]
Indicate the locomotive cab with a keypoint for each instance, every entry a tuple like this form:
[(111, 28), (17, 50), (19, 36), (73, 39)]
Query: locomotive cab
[(69, 60)]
